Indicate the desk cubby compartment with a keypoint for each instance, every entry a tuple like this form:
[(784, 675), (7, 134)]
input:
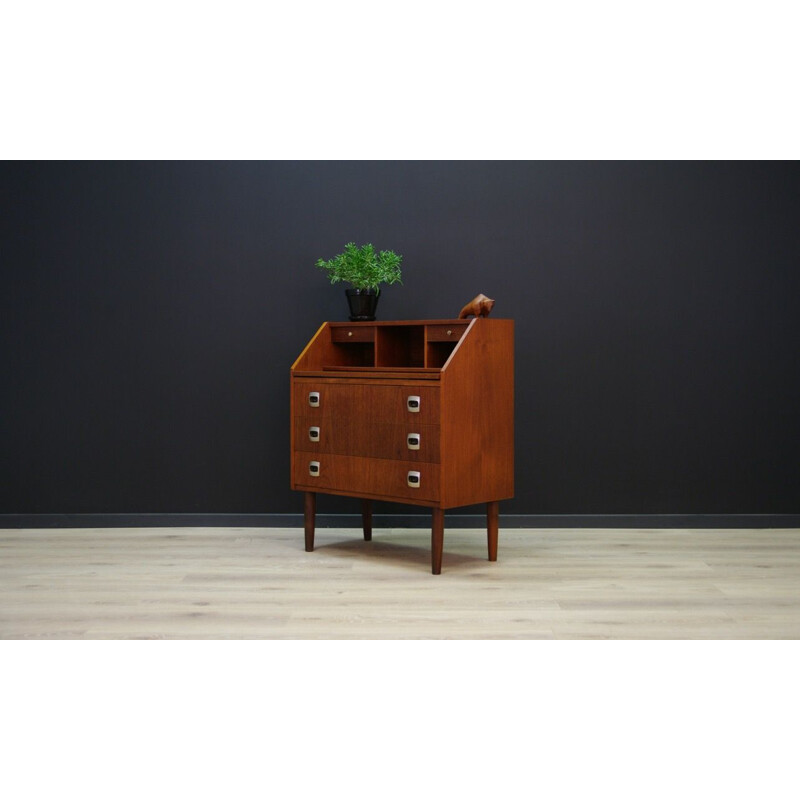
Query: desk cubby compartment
[(441, 341), (438, 353), (391, 347), (352, 346), (400, 346)]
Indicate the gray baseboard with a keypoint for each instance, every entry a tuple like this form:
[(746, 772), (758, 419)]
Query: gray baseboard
[(452, 520)]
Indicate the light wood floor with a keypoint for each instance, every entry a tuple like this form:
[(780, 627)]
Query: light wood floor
[(258, 583)]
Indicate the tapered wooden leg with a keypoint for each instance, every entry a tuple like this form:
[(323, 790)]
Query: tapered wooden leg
[(437, 540), (309, 514), (492, 526), (366, 519)]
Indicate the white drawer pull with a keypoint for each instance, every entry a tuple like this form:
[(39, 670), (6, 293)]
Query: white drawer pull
[(412, 440), (413, 479), (313, 468), (313, 434), (313, 399), (413, 403)]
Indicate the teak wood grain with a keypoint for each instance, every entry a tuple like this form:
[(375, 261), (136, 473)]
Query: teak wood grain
[(377, 478), (347, 436), (363, 401), (363, 374), (478, 428)]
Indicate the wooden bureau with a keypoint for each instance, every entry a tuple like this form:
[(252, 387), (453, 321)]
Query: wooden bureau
[(417, 411)]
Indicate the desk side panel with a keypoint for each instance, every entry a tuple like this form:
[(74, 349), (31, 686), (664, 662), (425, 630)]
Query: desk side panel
[(477, 416), (315, 350)]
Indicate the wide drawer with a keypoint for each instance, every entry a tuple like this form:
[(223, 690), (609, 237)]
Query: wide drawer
[(352, 437), (366, 402), (366, 476)]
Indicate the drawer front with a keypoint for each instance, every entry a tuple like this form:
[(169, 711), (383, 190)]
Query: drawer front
[(366, 476), (445, 333), (368, 403), (356, 333), (351, 437)]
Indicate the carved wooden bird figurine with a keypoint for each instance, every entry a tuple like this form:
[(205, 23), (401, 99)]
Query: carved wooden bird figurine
[(480, 306)]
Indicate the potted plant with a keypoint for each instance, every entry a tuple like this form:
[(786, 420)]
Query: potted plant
[(365, 270)]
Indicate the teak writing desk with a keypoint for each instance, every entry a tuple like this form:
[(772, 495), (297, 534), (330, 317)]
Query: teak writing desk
[(417, 411)]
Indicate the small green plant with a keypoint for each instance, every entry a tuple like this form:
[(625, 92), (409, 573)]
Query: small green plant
[(362, 267)]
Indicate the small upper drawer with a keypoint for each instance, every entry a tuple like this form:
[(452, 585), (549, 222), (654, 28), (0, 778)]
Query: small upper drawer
[(446, 333), (354, 333)]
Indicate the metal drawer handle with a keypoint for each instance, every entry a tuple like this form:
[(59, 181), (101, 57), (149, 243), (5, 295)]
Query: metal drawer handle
[(313, 434), (413, 480), (313, 399), (313, 468), (413, 403), (412, 440)]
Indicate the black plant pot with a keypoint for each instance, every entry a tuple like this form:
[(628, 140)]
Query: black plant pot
[(363, 303)]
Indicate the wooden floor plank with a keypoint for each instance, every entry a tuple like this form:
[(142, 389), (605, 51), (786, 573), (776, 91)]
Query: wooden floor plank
[(259, 583)]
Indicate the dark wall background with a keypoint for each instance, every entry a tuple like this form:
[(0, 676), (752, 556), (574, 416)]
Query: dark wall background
[(150, 312)]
